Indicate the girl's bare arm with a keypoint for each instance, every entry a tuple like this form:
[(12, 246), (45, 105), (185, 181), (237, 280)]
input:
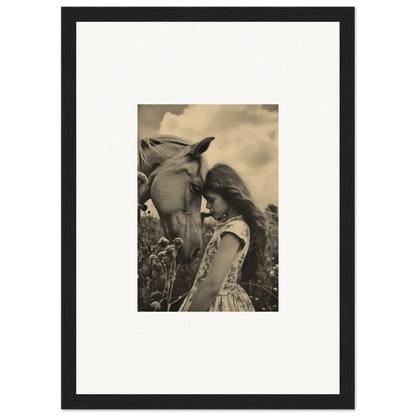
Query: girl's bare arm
[(210, 287)]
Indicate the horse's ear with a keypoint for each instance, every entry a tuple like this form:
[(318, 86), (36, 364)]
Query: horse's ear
[(196, 149)]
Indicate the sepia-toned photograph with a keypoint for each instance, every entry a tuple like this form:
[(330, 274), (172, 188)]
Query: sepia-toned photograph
[(208, 213)]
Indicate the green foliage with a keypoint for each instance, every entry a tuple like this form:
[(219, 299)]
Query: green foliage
[(163, 283)]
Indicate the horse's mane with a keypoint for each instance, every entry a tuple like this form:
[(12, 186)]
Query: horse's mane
[(163, 140)]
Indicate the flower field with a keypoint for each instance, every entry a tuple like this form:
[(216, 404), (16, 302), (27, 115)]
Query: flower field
[(163, 283)]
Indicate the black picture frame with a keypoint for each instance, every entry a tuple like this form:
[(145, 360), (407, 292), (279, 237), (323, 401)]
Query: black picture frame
[(70, 399)]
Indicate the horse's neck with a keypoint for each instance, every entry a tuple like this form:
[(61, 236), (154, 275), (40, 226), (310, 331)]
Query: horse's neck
[(154, 159)]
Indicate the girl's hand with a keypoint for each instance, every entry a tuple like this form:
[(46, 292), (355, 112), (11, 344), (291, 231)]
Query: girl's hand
[(211, 285)]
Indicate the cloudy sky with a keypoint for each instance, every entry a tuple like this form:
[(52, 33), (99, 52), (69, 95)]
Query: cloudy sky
[(246, 137)]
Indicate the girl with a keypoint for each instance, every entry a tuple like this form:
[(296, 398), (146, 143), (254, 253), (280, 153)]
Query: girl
[(235, 249)]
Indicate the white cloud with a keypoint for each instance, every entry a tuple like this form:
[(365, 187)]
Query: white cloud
[(245, 138)]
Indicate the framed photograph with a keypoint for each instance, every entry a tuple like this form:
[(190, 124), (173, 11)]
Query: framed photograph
[(236, 172), (208, 166)]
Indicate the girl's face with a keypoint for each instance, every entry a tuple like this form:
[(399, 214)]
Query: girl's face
[(217, 206)]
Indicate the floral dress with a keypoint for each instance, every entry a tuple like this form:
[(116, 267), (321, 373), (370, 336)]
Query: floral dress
[(231, 297)]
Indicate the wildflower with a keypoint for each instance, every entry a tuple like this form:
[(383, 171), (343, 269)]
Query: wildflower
[(163, 242), (263, 309), (171, 251), (155, 305), (272, 273), (162, 254), (178, 242), (256, 299), (141, 177), (275, 289), (153, 257)]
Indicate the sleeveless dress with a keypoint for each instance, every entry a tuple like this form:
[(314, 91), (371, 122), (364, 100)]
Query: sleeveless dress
[(231, 297)]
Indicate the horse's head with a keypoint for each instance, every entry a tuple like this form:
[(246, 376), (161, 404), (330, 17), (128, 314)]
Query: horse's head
[(176, 192)]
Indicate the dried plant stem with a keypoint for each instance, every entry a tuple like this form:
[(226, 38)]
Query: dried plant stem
[(180, 297), (271, 287), (262, 287), (174, 278), (162, 269), (172, 282)]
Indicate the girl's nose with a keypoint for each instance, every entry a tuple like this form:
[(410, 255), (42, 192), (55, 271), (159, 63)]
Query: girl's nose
[(207, 206)]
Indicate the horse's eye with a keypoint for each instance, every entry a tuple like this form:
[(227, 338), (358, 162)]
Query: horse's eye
[(196, 189)]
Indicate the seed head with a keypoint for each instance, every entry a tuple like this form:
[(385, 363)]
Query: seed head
[(171, 251), (178, 242), (163, 242)]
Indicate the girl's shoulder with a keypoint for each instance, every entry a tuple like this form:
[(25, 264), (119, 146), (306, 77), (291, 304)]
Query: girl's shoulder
[(237, 226)]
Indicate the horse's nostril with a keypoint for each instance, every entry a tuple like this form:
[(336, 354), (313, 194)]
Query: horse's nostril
[(195, 253)]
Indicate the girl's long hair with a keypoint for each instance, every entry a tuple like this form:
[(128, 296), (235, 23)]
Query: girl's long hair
[(224, 180)]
